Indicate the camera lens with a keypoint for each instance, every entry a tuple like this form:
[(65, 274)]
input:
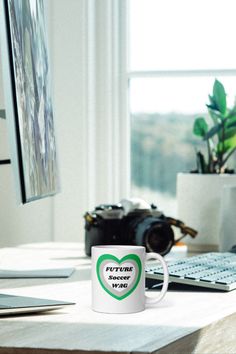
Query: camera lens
[(155, 234), (159, 239)]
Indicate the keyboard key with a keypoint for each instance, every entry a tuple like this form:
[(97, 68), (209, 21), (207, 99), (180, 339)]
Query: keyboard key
[(158, 272), (224, 281), (207, 279), (193, 277)]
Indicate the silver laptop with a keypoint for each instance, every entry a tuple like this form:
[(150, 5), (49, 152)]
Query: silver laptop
[(11, 304)]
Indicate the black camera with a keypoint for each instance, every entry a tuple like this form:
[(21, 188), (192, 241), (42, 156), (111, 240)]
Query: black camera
[(132, 222)]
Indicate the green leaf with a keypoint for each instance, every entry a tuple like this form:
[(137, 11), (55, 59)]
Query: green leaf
[(227, 145), (215, 115), (232, 112), (219, 96), (212, 104), (200, 127), (214, 130), (231, 121), (230, 131), (211, 99)]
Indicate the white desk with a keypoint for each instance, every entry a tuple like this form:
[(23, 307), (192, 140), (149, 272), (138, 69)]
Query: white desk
[(184, 322)]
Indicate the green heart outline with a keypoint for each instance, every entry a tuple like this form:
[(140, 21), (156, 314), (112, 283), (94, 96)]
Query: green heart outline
[(108, 256)]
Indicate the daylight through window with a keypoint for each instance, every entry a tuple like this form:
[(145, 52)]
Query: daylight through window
[(177, 49)]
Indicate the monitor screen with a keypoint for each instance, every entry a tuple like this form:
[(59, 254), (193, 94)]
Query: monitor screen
[(28, 103)]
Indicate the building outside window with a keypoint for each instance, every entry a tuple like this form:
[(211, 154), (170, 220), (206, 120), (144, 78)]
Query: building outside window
[(176, 50)]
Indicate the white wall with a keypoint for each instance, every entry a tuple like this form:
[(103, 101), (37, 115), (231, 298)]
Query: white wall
[(66, 29), (89, 97)]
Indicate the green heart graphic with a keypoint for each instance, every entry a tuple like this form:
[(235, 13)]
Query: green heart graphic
[(109, 257)]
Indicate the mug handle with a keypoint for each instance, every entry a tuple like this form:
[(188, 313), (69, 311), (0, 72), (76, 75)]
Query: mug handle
[(154, 300)]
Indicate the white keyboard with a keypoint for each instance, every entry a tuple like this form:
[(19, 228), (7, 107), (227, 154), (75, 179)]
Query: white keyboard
[(210, 270)]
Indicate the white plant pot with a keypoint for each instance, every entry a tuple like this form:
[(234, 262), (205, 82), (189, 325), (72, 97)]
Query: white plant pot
[(199, 198)]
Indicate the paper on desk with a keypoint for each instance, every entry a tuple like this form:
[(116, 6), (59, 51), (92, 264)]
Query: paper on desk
[(33, 270), (15, 264)]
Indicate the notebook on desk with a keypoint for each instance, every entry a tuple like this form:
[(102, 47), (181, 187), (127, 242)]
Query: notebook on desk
[(210, 270), (11, 304), (36, 273)]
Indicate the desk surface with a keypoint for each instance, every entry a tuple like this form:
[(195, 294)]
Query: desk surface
[(184, 322)]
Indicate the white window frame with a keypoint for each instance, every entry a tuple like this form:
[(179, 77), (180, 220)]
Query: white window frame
[(108, 22)]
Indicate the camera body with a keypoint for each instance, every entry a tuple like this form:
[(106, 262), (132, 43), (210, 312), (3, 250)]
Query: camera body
[(128, 223)]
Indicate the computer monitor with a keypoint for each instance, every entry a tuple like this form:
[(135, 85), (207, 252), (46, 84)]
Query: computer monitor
[(28, 104)]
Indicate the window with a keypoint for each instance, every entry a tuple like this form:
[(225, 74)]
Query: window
[(176, 50)]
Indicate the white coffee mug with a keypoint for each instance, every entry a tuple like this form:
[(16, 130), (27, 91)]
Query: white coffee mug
[(118, 279)]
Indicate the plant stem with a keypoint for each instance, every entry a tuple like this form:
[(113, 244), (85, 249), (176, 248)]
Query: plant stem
[(210, 160), (201, 163), (221, 163), (228, 156)]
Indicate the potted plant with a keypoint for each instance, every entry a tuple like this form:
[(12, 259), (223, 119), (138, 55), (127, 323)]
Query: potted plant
[(220, 137), (200, 192)]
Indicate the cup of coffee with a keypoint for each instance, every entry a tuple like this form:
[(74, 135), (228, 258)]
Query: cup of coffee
[(118, 279)]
